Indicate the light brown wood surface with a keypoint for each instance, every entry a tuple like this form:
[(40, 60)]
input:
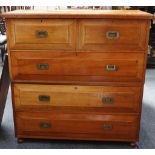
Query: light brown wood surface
[(76, 71), (107, 126), (128, 68), (121, 98), (120, 14), (132, 34), (60, 34), (81, 35)]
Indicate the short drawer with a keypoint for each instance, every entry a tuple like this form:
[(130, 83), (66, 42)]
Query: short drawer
[(113, 35), (42, 34), (95, 98), (92, 126), (92, 67)]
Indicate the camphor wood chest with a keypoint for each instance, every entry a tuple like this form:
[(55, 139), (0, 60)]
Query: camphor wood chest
[(77, 74)]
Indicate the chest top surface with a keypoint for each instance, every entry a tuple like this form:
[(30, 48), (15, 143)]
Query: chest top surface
[(118, 14)]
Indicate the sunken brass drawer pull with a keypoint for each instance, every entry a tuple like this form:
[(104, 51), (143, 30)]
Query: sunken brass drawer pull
[(107, 127), (41, 34), (111, 67), (45, 125), (112, 35), (42, 66), (107, 100), (44, 98)]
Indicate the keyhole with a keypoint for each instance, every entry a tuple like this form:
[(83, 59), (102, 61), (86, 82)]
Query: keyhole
[(75, 87)]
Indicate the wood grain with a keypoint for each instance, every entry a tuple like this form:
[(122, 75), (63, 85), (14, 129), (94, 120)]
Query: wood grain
[(61, 34), (112, 14), (122, 127), (91, 65), (88, 97), (131, 35), (73, 34), (60, 80)]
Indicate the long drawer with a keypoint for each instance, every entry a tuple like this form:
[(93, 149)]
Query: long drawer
[(42, 34), (94, 98), (56, 125), (98, 67)]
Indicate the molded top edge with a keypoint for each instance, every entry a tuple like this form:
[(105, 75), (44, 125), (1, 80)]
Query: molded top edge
[(121, 14)]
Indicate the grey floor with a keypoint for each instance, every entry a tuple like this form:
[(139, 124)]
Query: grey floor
[(147, 133)]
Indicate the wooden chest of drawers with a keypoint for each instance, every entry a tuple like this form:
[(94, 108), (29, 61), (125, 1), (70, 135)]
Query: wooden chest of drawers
[(77, 74)]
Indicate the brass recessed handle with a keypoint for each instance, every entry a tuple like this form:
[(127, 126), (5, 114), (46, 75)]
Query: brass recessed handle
[(44, 98), (112, 34), (107, 127), (111, 67), (42, 66), (107, 100), (45, 125), (41, 34)]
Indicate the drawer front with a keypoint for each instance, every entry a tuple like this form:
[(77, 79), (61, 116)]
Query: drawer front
[(113, 35), (42, 34), (97, 98), (60, 124), (104, 67)]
